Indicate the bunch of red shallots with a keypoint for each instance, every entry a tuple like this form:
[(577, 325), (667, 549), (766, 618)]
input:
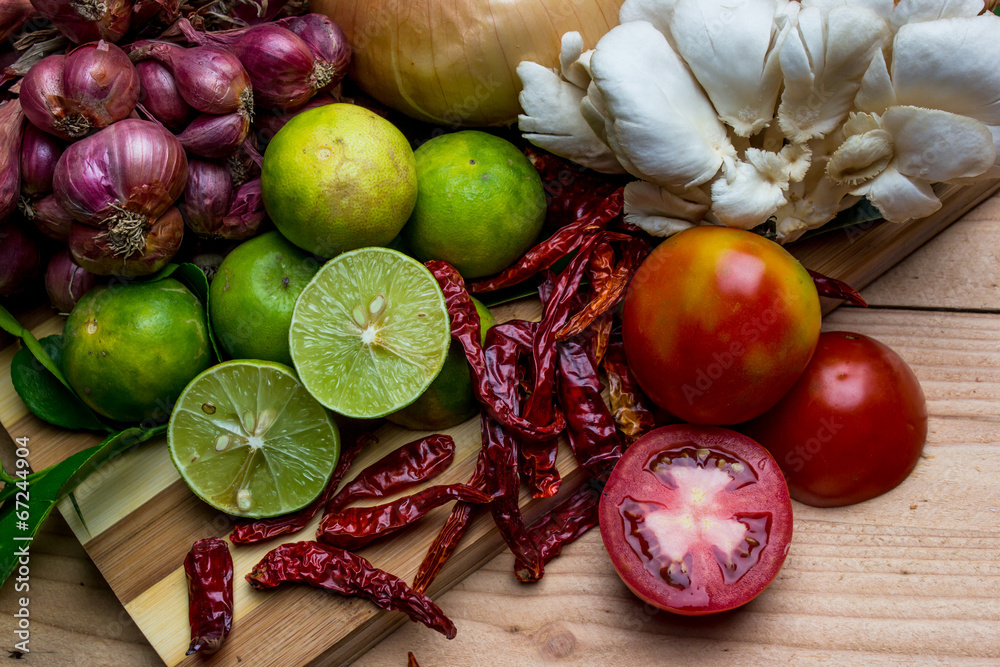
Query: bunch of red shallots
[(124, 126)]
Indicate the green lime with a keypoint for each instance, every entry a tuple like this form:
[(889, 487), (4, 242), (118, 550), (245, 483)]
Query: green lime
[(253, 294), (129, 350), (250, 441), (449, 400), (338, 177), (370, 332), (480, 203)]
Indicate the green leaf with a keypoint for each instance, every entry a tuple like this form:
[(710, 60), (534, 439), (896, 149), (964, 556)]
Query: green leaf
[(44, 395), (10, 324), (24, 510), (862, 213), (195, 280)]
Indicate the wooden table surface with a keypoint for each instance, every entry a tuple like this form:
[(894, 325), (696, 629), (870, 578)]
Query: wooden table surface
[(931, 548)]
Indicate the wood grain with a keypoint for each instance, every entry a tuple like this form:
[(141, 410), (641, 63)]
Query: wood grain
[(877, 582)]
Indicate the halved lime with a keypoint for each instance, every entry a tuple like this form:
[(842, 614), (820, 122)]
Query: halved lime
[(249, 440), (370, 332)]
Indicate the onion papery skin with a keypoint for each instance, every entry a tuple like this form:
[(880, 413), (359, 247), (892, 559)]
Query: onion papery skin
[(11, 132), (209, 78), (65, 282), (40, 152), (160, 96), (248, 12), (13, 14), (282, 68), (20, 259), (88, 20), (91, 88), (453, 63), (89, 248), (215, 136), (134, 165)]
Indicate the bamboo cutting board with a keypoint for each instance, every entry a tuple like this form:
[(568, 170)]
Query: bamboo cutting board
[(141, 520)]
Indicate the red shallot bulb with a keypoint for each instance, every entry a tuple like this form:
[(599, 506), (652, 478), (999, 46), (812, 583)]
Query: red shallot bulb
[(326, 40), (253, 12), (92, 87), (91, 250), (215, 136), (13, 14), (88, 20), (209, 78), (121, 179), (160, 97), (11, 131), (65, 282), (48, 216), (39, 153), (269, 122), (214, 209), (20, 259), (282, 68)]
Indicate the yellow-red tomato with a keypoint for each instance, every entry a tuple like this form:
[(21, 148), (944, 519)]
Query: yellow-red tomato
[(719, 323)]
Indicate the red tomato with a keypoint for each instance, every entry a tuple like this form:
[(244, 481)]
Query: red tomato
[(696, 519), (718, 324), (851, 428)]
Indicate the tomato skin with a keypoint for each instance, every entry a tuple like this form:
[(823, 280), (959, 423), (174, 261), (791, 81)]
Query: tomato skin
[(719, 323), (755, 496), (851, 428)]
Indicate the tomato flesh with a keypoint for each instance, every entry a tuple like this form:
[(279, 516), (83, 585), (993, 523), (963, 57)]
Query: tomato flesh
[(696, 519), (853, 426), (718, 324)]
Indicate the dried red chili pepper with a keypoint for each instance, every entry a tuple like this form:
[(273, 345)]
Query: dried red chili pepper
[(209, 570), (443, 546), (398, 470), (465, 331), (631, 409), (564, 241), (411, 660), (354, 527), (539, 457), (566, 522), (593, 436), (342, 572), (263, 529), (571, 190), (836, 289), (609, 288)]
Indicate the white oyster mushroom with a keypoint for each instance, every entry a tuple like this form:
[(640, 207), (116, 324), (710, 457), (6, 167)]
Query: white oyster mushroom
[(551, 104), (823, 61), (663, 124), (656, 12), (927, 146), (659, 212), (732, 47), (753, 191)]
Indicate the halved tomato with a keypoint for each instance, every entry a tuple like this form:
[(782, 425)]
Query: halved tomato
[(696, 519)]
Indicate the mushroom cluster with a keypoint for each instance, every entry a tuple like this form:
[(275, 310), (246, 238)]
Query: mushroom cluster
[(736, 112)]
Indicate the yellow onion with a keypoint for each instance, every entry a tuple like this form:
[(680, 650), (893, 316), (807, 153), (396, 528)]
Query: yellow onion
[(453, 63)]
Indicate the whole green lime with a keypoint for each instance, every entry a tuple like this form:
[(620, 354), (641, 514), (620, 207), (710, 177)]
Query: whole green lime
[(129, 350), (449, 400), (337, 178), (480, 203), (253, 295)]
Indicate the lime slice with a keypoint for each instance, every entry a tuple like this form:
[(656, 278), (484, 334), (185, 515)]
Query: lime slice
[(370, 332), (249, 440)]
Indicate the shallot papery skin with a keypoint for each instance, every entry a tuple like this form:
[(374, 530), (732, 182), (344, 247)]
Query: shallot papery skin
[(88, 20), (160, 96), (92, 87), (40, 152), (209, 78), (13, 14), (65, 282), (89, 248), (11, 131), (49, 217)]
